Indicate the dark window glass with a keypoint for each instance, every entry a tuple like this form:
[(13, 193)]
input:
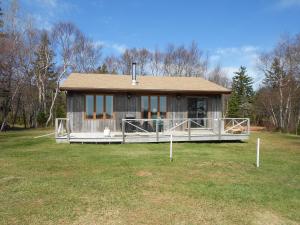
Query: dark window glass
[(109, 106), (99, 107), (145, 107), (163, 106), (89, 106), (154, 106)]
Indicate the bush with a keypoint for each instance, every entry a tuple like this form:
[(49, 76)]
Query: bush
[(41, 119)]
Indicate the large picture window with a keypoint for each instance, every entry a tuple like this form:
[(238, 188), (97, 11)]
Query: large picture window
[(89, 106), (154, 107), (98, 106)]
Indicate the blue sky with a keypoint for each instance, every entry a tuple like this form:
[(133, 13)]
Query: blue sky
[(232, 32)]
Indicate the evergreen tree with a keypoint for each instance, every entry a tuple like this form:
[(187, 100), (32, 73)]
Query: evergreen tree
[(276, 76), (242, 94), (102, 69)]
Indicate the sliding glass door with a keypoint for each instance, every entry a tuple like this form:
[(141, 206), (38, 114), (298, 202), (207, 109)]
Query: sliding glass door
[(197, 109)]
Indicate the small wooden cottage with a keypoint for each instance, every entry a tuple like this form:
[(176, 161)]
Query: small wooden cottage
[(122, 108)]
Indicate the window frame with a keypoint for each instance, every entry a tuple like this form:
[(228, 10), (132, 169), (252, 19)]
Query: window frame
[(95, 107), (158, 105)]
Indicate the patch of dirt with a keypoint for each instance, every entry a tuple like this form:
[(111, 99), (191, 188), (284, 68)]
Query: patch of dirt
[(267, 217), (10, 179), (257, 128), (107, 217), (142, 173)]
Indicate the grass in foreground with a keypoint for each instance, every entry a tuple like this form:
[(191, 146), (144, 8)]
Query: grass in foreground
[(42, 182)]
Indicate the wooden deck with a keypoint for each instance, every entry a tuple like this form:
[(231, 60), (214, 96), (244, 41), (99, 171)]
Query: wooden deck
[(181, 131), (144, 138)]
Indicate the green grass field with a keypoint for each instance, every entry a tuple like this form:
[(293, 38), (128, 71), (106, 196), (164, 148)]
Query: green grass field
[(42, 182)]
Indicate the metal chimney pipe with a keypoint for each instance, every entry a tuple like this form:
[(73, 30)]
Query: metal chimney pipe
[(133, 74)]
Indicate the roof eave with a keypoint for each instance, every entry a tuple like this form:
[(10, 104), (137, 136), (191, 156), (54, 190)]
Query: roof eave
[(144, 90)]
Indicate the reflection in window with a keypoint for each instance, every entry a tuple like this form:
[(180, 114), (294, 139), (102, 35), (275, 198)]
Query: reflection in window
[(108, 107), (154, 106), (163, 106), (145, 107), (89, 106), (99, 107)]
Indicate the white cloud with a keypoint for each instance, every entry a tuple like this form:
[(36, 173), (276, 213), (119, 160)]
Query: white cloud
[(119, 47), (288, 3), (116, 47), (47, 12), (231, 58), (48, 3)]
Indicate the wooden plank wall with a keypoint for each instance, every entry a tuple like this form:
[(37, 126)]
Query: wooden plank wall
[(130, 106), (126, 106), (75, 113)]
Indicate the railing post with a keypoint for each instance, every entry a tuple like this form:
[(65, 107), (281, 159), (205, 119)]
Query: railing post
[(56, 127), (220, 128), (123, 130), (68, 129), (157, 134), (248, 126), (189, 128)]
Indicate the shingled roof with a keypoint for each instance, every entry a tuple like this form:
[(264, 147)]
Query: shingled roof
[(110, 82)]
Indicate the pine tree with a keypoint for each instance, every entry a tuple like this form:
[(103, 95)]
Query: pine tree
[(276, 76), (242, 94), (102, 69)]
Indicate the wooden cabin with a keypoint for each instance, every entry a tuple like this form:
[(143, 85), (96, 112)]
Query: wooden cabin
[(123, 108)]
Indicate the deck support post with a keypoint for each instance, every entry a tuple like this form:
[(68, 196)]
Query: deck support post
[(189, 128), (123, 130), (156, 129), (220, 128)]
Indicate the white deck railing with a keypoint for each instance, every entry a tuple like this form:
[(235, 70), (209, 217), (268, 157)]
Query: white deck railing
[(185, 127), (62, 128)]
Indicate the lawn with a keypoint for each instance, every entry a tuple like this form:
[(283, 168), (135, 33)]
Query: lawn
[(42, 182)]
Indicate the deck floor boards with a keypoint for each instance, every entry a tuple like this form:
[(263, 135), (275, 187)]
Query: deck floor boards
[(116, 137)]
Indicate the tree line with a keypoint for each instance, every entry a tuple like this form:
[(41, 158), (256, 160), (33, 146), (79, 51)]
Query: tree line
[(33, 62)]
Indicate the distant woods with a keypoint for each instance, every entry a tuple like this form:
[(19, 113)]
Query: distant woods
[(33, 62), (277, 101)]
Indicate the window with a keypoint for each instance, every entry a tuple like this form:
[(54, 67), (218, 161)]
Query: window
[(98, 106), (154, 107), (109, 106), (163, 107), (89, 106), (145, 107)]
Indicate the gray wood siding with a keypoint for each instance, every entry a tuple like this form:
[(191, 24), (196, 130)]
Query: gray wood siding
[(124, 106), (75, 107)]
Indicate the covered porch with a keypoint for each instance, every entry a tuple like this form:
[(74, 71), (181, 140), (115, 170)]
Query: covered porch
[(159, 130)]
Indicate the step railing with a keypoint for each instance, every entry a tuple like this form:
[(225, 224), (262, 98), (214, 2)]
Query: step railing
[(62, 128)]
